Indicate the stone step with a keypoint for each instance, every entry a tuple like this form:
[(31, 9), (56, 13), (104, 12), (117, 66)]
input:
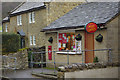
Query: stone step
[(45, 76)]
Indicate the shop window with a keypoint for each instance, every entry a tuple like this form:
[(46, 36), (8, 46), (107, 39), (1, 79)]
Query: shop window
[(78, 46), (67, 42)]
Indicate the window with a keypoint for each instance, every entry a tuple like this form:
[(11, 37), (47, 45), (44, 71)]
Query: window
[(78, 46), (67, 42), (19, 20), (32, 40), (32, 17), (6, 28)]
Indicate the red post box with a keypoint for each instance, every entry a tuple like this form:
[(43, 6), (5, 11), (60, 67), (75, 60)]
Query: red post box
[(50, 52)]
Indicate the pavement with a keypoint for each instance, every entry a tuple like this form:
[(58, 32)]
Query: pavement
[(27, 73)]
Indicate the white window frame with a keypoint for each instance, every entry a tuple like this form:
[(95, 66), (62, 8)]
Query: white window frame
[(19, 20), (6, 28), (31, 17)]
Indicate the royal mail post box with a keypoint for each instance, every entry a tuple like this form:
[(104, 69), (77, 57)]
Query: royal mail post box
[(50, 52)]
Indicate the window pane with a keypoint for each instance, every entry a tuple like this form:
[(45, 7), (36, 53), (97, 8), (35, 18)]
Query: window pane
[(20, 19), (30, 40), (33, 17), (34, 40), (6, 28), (30, 18), (78, 46)]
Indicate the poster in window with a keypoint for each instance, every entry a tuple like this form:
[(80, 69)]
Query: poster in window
[(64, 45), (59, 45), (67, 41)]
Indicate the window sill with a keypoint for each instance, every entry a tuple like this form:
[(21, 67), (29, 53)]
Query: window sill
[(76, 53), (32, 45), (32, 23), (19, 25)]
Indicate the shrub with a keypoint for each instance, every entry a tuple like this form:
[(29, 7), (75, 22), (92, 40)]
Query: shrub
[(95, 59), (10, 42), (23, 49), (99, 38), (78, 37)]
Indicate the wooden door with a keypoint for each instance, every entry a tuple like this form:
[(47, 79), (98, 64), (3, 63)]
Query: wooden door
[(89, 45)]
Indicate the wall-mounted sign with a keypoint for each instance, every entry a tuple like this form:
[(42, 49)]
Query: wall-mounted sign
[(91, 27)]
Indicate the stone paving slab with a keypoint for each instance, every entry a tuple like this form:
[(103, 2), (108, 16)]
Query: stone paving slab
[(45, 76), (26, 73)]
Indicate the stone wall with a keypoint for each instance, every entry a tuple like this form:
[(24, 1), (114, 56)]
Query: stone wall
[(112, 37), (90, 70), (57, 9), (102, 55), (18, 60)]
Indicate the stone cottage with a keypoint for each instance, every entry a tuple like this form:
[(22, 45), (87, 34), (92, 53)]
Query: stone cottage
[(64, 30), (28, 19)]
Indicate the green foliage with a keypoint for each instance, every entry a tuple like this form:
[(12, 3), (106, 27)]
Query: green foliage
[(50, 40), (99, 38), (29, 55), (95, 59), (23, 49), (10, 42), (78, 37)]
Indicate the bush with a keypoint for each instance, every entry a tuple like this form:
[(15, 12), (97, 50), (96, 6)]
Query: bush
[(10, 42), (78, 37), (95, 59)]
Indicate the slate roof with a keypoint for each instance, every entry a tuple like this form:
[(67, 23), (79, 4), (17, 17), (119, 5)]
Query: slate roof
[(28, 6), (98, 12), (6, 19), (21, 33)]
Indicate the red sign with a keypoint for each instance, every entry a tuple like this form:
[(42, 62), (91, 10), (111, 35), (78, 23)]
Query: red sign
[(91, 27), (50, 52)]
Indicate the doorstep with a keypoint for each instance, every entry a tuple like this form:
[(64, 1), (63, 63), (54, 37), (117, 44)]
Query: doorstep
[(50, 76)]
